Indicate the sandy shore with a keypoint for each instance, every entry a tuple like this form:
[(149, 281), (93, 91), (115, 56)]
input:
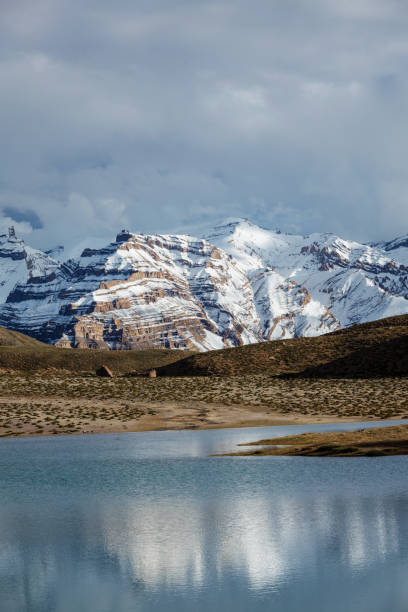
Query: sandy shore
[(53, 405), (152, 417)]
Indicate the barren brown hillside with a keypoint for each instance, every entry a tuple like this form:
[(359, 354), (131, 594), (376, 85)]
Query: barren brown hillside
[(370, 349), (8, 337), (22, 353), (378, 348)]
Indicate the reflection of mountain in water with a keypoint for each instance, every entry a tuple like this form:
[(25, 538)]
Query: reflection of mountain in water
[(265, 542), (47, 564), (214, 549)]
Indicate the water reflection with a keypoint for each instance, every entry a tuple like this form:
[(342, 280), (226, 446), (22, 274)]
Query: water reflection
[(112, 556), (160, 544), (303, 534), (265, 542)]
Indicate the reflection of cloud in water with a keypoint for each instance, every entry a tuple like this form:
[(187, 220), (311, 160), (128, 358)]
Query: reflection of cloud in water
[(250, 541), (111, 530), (54, 562), (371, 533), (160, 543), (116, 554), (265, 542)]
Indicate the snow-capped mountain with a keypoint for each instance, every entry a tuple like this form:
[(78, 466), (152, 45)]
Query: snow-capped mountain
[(397, 248), (138, 292), (308, 285), (235, 284), (20, 263)]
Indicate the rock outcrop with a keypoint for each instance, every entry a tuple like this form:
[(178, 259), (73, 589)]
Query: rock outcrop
[(236, 284), (140, 292)]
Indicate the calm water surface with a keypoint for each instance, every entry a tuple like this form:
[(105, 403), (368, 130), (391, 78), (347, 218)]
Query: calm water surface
[(149, 522)]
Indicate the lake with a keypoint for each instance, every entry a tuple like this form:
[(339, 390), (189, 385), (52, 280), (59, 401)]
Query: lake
[(150, 522)]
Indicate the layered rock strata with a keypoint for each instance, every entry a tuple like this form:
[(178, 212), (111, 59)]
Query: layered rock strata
[(235, 284)]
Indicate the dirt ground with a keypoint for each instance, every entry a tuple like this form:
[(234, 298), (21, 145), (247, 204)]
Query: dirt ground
[(44, 404)]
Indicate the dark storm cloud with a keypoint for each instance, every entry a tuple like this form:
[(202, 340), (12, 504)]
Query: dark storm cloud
[(157, 114), (29, 216)]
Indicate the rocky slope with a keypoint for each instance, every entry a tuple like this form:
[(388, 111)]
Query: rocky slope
[(367, 350), (139, 292), (236, 284), (20, 263)]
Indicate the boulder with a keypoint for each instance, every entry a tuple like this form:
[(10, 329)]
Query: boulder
[(104, 371)]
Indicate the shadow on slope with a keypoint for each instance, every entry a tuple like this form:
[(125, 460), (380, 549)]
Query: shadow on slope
[(22, 353), (366, 342), (389, 358), (378, 348)]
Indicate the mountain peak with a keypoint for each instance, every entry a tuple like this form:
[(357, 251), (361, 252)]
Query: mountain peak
[(124, 235), (397, 243), (11, 242), (242, 284), (234, 222)]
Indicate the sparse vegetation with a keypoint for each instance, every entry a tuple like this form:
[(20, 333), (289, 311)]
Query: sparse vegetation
[(361, 443), (47, 390), (22, 353), (375, 349), (67, 404)]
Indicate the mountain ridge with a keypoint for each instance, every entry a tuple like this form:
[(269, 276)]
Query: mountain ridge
[(366, 350), (235, 284)]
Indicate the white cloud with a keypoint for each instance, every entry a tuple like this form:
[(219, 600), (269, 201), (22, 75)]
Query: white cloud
[(21, 228), (153, 115)]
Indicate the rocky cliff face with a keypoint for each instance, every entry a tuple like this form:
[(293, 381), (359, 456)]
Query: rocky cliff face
[(20, 263), (308, 285), (237, 284), (140, 292)]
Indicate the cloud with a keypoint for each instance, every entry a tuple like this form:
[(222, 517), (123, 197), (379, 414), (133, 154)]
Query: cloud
[(22, 228), (30, 216), (156, 115)]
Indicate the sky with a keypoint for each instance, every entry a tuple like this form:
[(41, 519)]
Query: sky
[(153, 115)]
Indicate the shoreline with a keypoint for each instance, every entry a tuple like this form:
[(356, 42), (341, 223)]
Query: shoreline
[(390, 440), (62, 405), (161, 424)]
